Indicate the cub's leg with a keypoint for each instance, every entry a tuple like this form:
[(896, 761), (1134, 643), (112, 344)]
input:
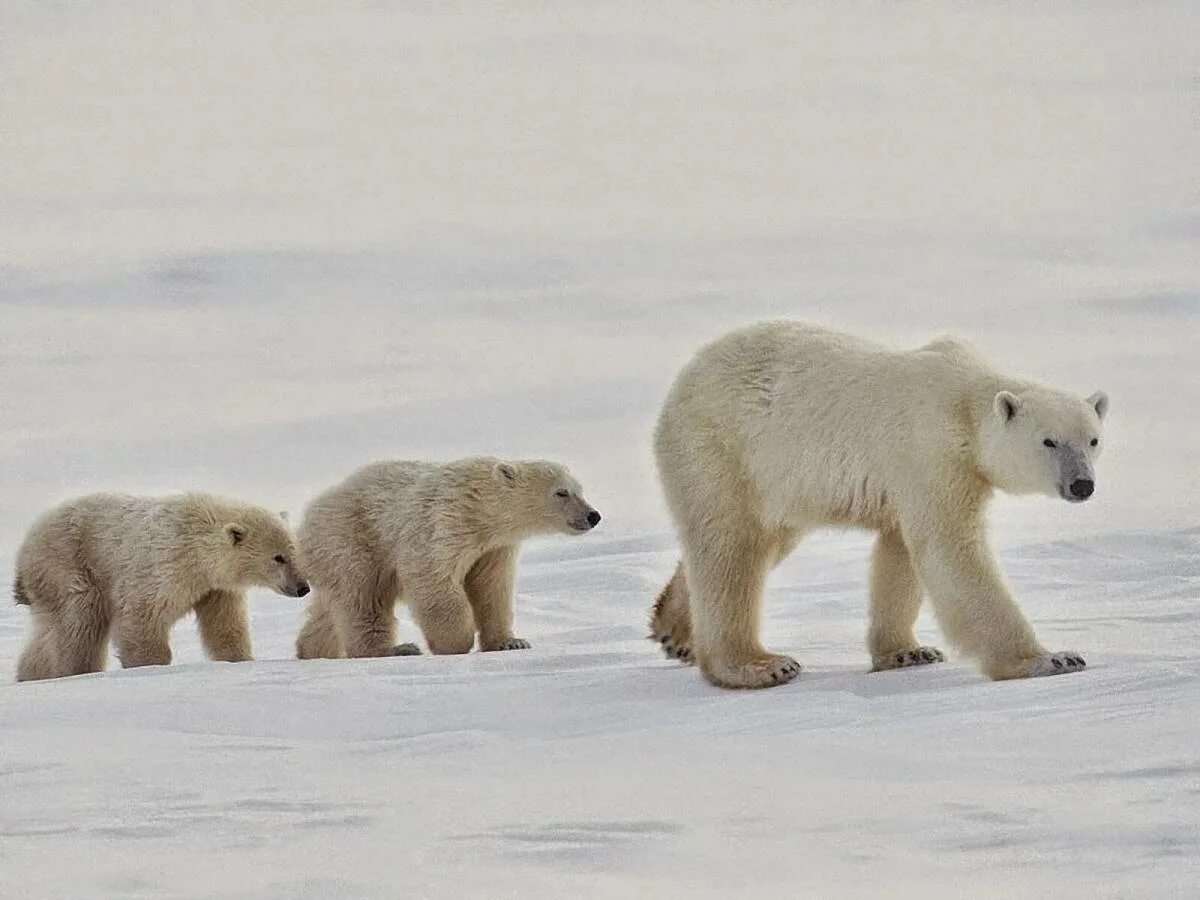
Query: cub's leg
[(489, 586), (895, 602), (443, 613), (143, 631), (224, 626), (726, 562), (671, 618), (365, 616), (972, 600), (319, 637), (40, 657), (83, 620)]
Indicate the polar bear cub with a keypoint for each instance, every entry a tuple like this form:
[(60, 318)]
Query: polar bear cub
[(781, 427), (136, 565), (442, 537)]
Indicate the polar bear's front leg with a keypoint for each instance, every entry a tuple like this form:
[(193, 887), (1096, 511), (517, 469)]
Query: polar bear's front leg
[(973, 603), (895, 602), (224, 626), (489, 586), (443, 613)]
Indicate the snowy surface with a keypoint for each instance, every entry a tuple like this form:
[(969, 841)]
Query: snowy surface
[(246, 251)]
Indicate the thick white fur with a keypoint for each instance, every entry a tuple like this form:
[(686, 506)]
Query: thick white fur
[(443, 537), (781, 427), (138, 565)]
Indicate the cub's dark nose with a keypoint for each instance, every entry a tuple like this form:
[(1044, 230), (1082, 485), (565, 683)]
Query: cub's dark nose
[(1081, 488), (593, 518), (302, 589)]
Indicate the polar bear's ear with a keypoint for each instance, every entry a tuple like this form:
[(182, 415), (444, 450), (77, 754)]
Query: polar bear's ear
[(235, 532), (1006, 405), (506, 473), (283, 515), (1099, 402)]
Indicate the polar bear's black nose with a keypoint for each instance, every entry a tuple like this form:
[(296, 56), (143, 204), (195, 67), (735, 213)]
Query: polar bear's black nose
[(302, 589), (593, 518), (1082, 488)]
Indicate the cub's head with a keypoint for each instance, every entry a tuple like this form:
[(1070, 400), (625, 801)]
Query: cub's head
[(543, 498), (1042, 441), (260, 552)]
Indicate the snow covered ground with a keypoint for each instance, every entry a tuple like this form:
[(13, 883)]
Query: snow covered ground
[(247, 250)]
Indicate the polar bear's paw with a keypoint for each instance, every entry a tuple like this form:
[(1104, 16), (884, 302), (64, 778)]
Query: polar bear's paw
[(515, 643), (406, 649), (904, 659), (675, 648), (1062, 662), (1059, 663), (671, 620), (765, 670)]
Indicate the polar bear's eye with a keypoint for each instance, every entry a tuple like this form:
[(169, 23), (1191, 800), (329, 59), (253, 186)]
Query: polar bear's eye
[(562, 495), (1095, 441), (281, 559), (1049, 443)]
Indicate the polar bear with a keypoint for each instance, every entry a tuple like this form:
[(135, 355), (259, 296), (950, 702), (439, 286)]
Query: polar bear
[(444, 537), (781, 427), (138, 565)]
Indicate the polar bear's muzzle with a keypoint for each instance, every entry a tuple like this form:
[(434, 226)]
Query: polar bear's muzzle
[(1081, 488), (586, 522), (1077, 481)]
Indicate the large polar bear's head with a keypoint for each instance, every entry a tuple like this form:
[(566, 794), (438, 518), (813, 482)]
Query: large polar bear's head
[(541, 497), (1037, 440)]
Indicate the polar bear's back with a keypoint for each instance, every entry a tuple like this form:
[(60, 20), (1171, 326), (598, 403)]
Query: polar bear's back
[(362, 517), (816, 419), (111, 534)]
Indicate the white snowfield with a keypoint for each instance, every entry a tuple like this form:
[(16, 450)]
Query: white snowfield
[(588, 766), (246, 252)]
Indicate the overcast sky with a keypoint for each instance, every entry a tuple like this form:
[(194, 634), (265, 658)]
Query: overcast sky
[(248, 246)]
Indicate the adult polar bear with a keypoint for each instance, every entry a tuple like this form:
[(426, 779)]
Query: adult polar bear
[(781, 427)]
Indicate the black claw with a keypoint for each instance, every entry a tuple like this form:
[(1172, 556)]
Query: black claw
[(900, 657), (1057, 663)]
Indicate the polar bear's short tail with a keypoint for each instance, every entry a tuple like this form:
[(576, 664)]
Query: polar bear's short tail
[(19, 595)]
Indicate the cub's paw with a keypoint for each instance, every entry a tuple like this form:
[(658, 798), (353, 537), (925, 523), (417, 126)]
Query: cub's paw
[(766, 670), (904, 659), (675, 649), (407, 649), (1059, 663), (509, 644)]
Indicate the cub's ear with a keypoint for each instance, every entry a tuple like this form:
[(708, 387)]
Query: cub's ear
[(1006, 405), (235, 532), (506, 473), (1099, 402)]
